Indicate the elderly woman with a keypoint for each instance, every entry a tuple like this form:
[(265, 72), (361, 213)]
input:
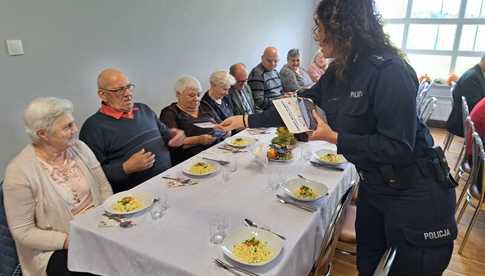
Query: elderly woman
[(50, 182), (183, 114), (293, 77), (215, 100), (318, 66)]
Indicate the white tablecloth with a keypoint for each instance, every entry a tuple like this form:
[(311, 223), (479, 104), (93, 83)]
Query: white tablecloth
[(178, 243)]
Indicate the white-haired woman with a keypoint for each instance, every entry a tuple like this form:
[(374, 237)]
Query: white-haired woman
[(183, 114), (215, 100), (293, 77), (318, 66), (51, 181)]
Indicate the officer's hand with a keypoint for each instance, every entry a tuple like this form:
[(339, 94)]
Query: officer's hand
[(139, 161), (177, 137), (230, 123), (206, 139), (323, 131)]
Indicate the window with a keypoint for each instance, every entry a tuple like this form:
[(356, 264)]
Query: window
[(438, 36)]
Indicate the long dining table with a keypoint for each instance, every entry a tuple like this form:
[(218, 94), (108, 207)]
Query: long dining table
[(178, 243)]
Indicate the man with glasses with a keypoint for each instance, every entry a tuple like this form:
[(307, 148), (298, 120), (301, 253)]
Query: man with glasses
[(128, 139), (264, 79), (240, 93)]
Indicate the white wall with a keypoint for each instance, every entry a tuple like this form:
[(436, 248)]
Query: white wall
[(67, 42)]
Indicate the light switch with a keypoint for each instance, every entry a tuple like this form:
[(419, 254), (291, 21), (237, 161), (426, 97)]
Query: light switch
[(15, 47)]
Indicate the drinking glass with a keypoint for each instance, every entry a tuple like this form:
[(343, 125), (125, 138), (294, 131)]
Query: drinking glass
[(160, 205), (218, 226)]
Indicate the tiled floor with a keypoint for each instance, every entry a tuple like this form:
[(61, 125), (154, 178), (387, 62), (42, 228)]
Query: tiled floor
[(472, 263)]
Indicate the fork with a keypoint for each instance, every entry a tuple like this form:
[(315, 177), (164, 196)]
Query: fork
[(301, 206), (231, 267), (222, 162), (178, 179)]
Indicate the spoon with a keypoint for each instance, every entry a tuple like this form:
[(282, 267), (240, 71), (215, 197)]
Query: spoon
[(122, 223), (252, 224), (180, 180)]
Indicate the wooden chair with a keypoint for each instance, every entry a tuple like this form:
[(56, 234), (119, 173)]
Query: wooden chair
[(347, 243), (327, 249), (386, 262), (474, 198), (477, 149)]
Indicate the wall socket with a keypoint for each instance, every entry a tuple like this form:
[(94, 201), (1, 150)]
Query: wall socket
[(15, 47)]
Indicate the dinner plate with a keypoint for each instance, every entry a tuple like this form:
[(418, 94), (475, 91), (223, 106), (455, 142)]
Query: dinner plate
[(273, 243), (187, 168), (244, 141), (292, 185), (145, 198), (340, 158)]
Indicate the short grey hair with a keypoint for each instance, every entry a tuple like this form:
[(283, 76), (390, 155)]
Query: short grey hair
[(293, 53), (42, 112), (187, 82), (221, 78)]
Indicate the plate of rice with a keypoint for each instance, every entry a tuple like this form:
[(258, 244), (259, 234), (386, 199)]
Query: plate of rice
[(201, 168), (128, 202), (304, 190), (329, 157), (239, 142), (252, 246)]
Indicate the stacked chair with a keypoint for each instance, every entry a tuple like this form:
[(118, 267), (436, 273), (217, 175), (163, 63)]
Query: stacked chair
[(425, 105), (327, 250), (449, 136), (462, 166), (9, 265), (473, 198)]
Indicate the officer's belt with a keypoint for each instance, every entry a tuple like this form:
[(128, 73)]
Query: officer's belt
[(403, 176)]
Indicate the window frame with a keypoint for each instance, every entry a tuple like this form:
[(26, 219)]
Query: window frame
[(459, 22)]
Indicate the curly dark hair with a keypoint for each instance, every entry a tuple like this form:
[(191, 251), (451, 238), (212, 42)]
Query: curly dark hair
[(352, 25)]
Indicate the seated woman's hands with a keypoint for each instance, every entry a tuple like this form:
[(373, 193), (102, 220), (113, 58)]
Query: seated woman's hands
[(206, 139), (231, 123)]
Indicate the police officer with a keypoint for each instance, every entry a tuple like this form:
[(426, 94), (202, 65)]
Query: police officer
[(406, 199)]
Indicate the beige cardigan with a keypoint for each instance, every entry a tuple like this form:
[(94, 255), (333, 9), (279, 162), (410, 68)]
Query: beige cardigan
[(37, 216)]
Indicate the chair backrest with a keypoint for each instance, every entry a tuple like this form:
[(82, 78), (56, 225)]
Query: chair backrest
[(8, 253), (477, 153), (464, 108), (481, 181), (330, 238), (426, 109), (385, 263), (468, 130)]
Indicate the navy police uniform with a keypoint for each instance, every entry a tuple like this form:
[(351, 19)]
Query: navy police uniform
[(406, 198)]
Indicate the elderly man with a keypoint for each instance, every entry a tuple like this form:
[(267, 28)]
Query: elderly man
[(240, 93), (264, 80), (128, 139), (471, 85)]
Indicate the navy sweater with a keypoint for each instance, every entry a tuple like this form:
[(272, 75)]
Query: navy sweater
[(114, 141)]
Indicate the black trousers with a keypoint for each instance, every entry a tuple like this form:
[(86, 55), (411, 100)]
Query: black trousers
[(419, 221), (57, 265)]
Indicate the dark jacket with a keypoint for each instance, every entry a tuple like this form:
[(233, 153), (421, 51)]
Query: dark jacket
[(471, 85)]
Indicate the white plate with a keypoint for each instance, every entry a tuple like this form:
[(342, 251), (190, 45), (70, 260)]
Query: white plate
[(273, 242), (294, 184), (145, 198), (231, 141), (340, 159), (186, 169)]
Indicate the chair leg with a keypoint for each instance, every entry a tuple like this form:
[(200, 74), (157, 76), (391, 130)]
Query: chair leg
[(448, 141), (462, 211), (470, 226), (463, 192), (460, 158)]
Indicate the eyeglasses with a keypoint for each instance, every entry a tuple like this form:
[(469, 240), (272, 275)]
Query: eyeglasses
[(120, 90)]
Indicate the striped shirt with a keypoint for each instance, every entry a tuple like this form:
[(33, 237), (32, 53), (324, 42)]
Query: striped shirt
[(265, 85)]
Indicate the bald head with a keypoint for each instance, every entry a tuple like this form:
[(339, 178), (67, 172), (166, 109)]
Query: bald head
[(115, 89), (240, 73), (270, 59)]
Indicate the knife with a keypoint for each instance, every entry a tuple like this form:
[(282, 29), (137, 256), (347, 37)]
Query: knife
[(231, 268)]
